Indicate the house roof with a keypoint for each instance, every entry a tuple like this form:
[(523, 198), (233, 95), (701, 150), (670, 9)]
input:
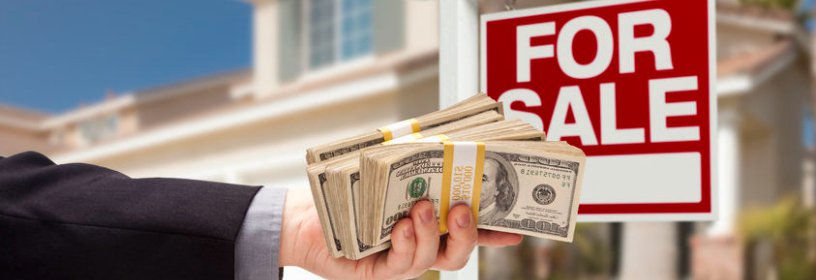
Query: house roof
[(755, 11), (153, 94), (21, 114), (741, 73), (754, 61), (756, 17), (21, 118), (378, 77)]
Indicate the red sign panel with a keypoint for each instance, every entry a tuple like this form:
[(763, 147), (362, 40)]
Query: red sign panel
[(628, 82)]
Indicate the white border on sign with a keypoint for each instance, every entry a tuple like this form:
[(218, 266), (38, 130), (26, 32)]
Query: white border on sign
[(712, 57), (712, 110)]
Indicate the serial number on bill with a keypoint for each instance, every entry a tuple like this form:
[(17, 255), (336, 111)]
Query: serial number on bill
[(545, 174)]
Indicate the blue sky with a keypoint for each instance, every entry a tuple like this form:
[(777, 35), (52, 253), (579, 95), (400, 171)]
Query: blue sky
[(56, 55)]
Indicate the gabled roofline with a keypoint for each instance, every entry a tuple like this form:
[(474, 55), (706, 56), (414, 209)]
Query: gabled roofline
[(753, 17), (20, 118), (779, 57), (145, 96), (363, 87)]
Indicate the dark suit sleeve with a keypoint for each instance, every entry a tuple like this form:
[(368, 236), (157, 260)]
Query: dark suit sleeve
[(79, 221)]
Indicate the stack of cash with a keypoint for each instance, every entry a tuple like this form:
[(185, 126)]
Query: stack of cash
[(322, 189), (503, 169)]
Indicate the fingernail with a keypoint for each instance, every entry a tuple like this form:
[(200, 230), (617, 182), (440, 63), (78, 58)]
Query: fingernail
[(408, 232), (427, 216), (463, 221)]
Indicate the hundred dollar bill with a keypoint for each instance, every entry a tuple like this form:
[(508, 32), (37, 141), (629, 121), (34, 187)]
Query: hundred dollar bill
[(530, 188)]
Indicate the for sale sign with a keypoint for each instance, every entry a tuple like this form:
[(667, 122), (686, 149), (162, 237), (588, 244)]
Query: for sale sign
[(631, 83)]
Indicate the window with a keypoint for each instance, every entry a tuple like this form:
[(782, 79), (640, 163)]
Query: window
[(356, 39), (321, 33), (98, 129), (338, 30)]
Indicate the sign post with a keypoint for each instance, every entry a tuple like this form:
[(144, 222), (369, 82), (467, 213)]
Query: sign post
[(459, 77), (631, 83)]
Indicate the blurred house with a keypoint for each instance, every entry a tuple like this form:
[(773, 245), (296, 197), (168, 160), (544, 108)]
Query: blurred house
[(321, 71), (765, 102), (325, 69)]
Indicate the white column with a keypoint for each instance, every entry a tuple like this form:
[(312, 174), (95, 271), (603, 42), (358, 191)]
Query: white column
[(458, 50), (459, 76), (728, 165), (265, 28), (809, 181), (649, 251)]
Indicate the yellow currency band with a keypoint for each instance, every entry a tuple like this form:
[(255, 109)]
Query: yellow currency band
[(399, 129), (462, 169), (439, 138), (404, 139), (417, 138)]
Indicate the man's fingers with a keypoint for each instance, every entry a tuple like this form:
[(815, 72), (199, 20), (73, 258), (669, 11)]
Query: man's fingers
[(461, 240), (498, 239), (400, 257), (415, 242), (427, 237)]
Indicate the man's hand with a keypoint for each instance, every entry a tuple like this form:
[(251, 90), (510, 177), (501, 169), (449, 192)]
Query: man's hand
[(415, 243)]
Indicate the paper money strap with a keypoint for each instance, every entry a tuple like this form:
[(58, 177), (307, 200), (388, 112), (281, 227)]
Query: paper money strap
[(417, 137), (462, 168), (399, 129)]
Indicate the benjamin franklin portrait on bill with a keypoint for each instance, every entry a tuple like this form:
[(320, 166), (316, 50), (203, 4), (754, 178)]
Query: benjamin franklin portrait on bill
[(499, 188)]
